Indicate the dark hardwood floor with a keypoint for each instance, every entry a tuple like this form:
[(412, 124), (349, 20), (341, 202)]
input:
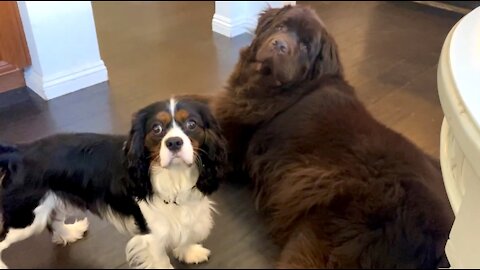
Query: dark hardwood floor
[(155, 49)]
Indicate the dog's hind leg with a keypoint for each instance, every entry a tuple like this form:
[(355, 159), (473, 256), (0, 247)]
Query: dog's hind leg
[(41, 216), (303, 250), (63, 233)]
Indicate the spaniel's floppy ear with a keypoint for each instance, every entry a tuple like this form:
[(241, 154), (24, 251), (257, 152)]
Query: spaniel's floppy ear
[(136, 154), (327, 61), (213, 154)]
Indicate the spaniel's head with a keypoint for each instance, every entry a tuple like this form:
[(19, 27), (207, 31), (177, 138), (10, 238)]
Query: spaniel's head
[(291, 45), (177, 132)]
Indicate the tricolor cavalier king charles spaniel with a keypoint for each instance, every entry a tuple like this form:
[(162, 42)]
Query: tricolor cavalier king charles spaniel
[(152, 184)]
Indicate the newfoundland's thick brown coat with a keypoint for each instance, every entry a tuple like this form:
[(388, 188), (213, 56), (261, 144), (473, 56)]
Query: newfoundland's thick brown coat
[(340, 189)]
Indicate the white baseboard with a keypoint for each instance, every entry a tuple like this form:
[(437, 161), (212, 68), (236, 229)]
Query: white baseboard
[(67, 82), (232, 28), (246, 17)]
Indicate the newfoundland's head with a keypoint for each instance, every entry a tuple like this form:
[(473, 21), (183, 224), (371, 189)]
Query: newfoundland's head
[(291, 46)]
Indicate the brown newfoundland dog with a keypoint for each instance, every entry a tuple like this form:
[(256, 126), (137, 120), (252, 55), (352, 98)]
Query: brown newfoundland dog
[(340, 189)]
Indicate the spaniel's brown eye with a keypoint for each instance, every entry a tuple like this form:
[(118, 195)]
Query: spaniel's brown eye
[(191, 124), (157, 129), (280, 27)]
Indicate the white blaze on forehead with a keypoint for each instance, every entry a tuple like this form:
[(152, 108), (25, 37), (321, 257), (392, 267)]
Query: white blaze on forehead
[(173, 105), (185, 153)]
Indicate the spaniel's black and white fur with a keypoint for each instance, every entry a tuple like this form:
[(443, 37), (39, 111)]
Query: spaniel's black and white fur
[(151, 184)]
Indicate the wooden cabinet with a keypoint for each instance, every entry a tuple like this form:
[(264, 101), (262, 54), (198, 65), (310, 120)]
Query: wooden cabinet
[(14, 55)]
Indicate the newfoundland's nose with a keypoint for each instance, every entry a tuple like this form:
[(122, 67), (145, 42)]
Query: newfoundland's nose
[(174, 144), (280, 45)]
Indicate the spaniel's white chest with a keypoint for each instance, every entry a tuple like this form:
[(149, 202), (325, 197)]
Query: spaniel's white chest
[(174, 184), (178, 214), (181, 224)]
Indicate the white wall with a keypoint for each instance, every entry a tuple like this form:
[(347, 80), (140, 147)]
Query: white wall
[(233, 18), (63, 46)]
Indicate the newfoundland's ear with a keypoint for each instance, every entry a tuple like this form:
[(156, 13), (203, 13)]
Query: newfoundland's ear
[(327, 61), (213, 155), (135, 152), (265, 19)]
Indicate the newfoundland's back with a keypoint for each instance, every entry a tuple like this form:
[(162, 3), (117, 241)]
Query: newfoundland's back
[(322, 127), (367, 190)]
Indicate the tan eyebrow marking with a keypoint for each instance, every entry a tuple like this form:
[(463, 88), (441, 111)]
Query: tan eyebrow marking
[(164, 117), (181, 115)]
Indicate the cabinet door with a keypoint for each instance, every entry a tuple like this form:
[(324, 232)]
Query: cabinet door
[(14, 56)]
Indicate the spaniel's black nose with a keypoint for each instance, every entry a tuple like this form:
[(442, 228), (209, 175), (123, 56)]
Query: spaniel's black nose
[(174, 144)]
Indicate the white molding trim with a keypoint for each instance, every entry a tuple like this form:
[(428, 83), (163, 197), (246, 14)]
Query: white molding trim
[(232, 28), (235, 18), (63, 45), (66, 82)]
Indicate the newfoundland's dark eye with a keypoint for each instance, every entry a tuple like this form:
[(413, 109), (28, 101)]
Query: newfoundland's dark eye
[(157, 129), (304, 46), (191, 124)]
